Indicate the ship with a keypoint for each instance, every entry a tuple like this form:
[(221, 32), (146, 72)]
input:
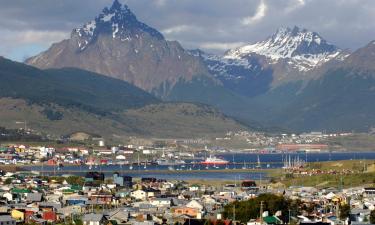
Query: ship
[(170, 162), (214, 161)]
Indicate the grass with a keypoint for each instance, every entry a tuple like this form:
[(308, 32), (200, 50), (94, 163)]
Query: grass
[(363, 174), (330, 180), (172, 120)]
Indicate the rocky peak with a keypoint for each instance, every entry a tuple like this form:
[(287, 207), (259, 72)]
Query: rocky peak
[(303, 49)]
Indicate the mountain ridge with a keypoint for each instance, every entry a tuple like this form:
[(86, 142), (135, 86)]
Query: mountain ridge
[(116, 44)]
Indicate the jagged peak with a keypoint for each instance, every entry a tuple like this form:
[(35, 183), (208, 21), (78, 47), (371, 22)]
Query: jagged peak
[(305, 48), (116, 5)]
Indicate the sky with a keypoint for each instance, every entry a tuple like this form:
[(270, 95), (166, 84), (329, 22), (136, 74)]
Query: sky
[(28, 27)]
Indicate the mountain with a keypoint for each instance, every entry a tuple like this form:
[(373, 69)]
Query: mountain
[(118, 45), (68, 100), (288, 55), (339, 98), (302, 49), (297, 80), (294, 79)]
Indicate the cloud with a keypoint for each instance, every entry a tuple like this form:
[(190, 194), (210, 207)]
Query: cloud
[(18, 45), (217, 27), (221, 45), (259, 14), (178, 29), (160, 3), (296, 4)]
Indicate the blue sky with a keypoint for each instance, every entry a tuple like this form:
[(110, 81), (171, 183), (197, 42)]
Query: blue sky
[(30, 26)]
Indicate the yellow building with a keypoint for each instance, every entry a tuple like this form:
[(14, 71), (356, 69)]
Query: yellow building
[(17, 215)]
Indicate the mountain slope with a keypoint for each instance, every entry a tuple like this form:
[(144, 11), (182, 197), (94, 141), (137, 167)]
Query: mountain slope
[(116, 44), (63, 101), (289, 55), (69, 87), (339, 99)]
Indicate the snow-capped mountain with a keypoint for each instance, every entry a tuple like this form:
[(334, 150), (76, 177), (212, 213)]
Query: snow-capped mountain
[(118, 21), (289, 55), (118, 45), (302, 49)]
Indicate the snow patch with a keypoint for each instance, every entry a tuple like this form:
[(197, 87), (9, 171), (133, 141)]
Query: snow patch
[(107, 17)]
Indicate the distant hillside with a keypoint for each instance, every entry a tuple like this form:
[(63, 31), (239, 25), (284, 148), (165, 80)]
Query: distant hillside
[(69, 87), (63, 101), (163, 120)]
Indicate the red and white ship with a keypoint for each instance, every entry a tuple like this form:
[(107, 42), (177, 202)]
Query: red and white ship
[(214, 161)]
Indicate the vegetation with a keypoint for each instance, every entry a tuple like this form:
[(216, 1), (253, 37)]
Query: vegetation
[(81, 89), (72, 180), (344, 211), (65, 101), (250, 209), (8, 181), (52, 114), (372, 217), (17, 135)]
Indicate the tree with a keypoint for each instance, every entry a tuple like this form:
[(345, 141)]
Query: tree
[(372, 217), (344, 211), (8, 181), (246, 210), (75, 180)]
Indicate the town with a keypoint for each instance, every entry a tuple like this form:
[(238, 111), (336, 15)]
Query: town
[(96, 185), (99, 199)]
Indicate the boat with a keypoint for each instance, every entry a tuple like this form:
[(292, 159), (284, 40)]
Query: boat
[(258, 163), (244, 166), (170, 162), (212, 160)]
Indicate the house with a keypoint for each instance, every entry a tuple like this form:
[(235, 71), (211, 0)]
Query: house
[(184, 210), (36, 220), (7, 220), (195, 205), (194, 187), (150, 192), (17, 215), (161, 202), (122, 181), (34, 197), (49, 216), (369, 192), (103, 198), (139, 194), (144, 194), (75, 200), (120, 216), (94, 219)]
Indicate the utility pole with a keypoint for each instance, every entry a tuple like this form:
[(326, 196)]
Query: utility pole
[(261, 212)]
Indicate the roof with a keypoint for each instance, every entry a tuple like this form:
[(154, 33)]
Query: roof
[(5, 218), (92, 217), (34, 197), (18, 190), (272, 220)]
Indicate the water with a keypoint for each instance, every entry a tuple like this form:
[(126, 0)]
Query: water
[(197, 171)]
